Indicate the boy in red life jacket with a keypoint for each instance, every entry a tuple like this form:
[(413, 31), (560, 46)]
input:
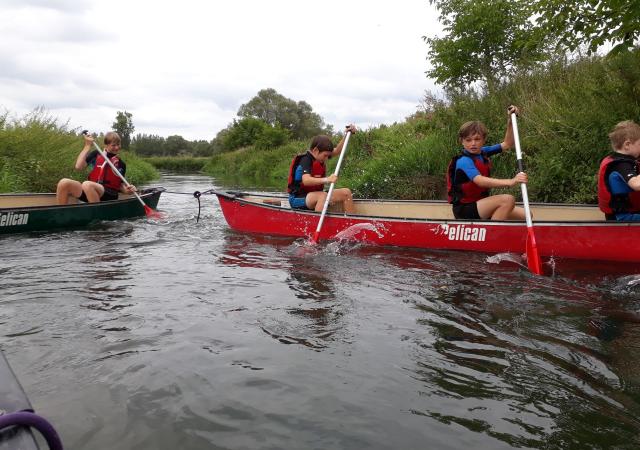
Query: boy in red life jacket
[(619, 175), (469, 176), (307, 177), (102, 184)]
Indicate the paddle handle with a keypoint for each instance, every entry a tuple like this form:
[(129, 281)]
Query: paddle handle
[(117, 172), (523, 186), (328, 199)]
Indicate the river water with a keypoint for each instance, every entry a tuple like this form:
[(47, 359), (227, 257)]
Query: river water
[(172, 333)]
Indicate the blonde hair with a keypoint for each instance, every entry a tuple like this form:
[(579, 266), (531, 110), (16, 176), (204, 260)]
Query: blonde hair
[(112, 137), (624, 131)]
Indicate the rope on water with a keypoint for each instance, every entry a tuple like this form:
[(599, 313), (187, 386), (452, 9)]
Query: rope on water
[(29, 419), (196, 195)]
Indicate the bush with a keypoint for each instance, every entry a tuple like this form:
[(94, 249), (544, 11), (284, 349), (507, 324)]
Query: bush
[(568, 110), (36, 151)]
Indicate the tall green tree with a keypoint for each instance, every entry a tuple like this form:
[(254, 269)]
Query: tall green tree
[(176, 145), (124, 127), (590, 23), (148, 144), (275, 109), (485, 41)]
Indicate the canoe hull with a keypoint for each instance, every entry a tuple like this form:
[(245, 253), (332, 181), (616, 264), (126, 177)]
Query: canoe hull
[(592, 240), (17, 219)]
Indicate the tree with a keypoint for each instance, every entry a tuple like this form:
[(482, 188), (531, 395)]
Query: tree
[(124, 127), (591, 23), (486, 41), (275, 109), (202, 148), (176, 145), (243, 132), (148, 145)]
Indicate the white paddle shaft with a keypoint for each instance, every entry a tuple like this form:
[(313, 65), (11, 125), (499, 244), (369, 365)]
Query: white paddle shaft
[(523, 186), (328, 199)]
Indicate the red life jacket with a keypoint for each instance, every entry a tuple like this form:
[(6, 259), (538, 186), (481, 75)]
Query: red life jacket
[(467, 192), (620, 203), (318, 170), (103, 174)]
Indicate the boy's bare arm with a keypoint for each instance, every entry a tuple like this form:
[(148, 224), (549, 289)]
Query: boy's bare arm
[(634, 183), (508, 141), (488, 182)]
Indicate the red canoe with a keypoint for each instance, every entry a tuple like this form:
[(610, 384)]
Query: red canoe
[(562, 231)]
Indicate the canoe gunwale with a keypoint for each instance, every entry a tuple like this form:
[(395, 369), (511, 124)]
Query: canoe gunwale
[(239, 197), (145, 193)]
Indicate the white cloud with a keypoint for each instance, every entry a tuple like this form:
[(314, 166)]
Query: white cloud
[(186, 67)]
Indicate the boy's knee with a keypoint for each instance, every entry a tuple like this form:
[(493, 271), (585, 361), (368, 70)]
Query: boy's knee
[(508, 200), (345, 193)]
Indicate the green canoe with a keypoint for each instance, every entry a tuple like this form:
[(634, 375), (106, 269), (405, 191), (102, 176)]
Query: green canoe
[(39, 212)]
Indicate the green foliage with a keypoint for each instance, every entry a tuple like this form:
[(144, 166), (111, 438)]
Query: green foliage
[(243, 133), (277, 110), (124, 127), (592, 23), (568, 110), (266, 168), (148, 144), (271, 137), (250, 131), (36, 151), (269, 120), (201, 148), (178, 164), (176, 145), (139, 171), (486, 40), (153, 145)]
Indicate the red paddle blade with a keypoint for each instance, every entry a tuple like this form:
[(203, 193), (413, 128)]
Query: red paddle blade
[(533, 257), (315, 237), (151, 213)]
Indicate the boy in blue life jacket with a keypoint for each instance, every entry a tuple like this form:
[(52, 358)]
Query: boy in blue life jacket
[(619, 174), (469, 176), (308, 176)]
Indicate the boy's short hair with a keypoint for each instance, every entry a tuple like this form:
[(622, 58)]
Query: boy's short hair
[(624, 131), (112, 137), (323, 143), (470, 128)]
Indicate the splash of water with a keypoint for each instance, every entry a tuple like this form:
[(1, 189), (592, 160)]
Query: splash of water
[(628, 281), (348, 239), (304, 247), (510, 257), (520, 260), (351, 232)]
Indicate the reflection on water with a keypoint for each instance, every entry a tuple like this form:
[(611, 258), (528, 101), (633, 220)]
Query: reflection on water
[(182, 334)]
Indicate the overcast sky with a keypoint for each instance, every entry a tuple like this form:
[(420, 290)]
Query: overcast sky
[(185, 67)]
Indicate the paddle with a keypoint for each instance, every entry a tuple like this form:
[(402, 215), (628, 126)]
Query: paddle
[(147, 210), (533, 258), (316, 235)]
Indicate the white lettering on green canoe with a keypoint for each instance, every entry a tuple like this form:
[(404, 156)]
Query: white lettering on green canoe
[(12, 219)]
